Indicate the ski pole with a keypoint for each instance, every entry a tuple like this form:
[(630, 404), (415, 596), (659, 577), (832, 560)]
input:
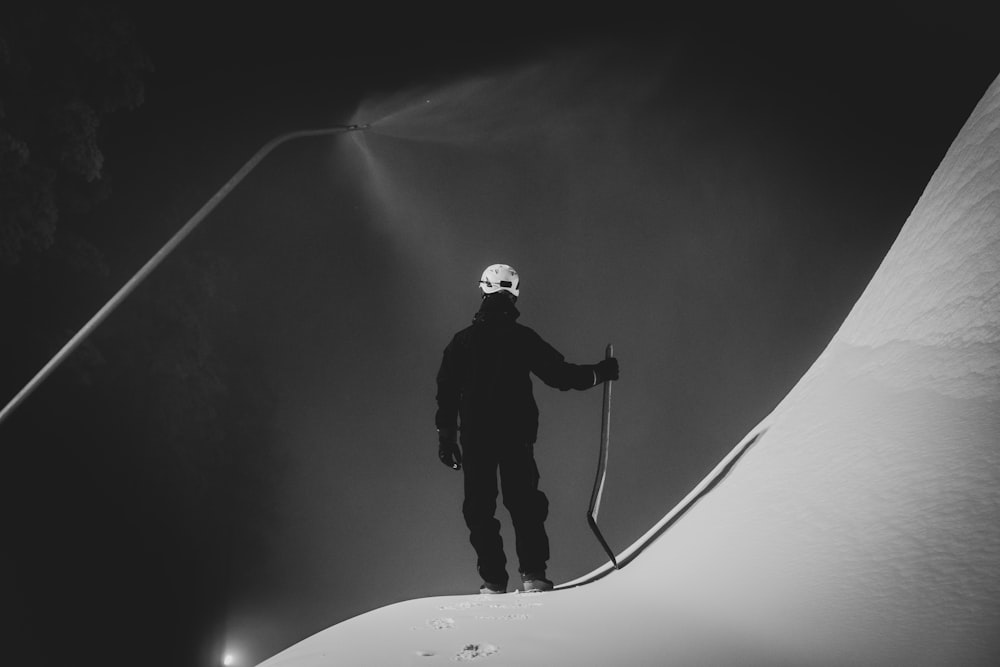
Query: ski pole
[(602, 464)]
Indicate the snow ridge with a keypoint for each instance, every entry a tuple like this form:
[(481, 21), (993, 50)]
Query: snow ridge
[(862, 529)]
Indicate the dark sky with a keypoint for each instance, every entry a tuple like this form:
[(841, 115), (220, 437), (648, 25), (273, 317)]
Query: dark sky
[(709, 190)]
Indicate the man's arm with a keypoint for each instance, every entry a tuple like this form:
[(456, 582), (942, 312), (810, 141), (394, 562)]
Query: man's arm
[(446, 418), (448, 396), (553, 369)]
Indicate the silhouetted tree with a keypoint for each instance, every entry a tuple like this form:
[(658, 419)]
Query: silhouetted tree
[(62, 71), (153, 442)]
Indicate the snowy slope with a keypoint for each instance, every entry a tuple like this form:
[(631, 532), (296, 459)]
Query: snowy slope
[(861, 526)]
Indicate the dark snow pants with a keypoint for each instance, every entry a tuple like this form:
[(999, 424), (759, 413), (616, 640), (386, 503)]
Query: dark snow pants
[(528, 507)]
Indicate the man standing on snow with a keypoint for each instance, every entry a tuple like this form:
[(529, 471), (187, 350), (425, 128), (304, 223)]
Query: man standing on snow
[(484, 390)]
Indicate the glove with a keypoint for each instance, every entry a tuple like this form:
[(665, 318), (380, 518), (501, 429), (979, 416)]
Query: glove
[(606, 370), (448, 449)]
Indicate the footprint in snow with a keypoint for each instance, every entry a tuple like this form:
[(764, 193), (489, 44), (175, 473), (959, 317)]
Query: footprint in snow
[(475, 652), (441, 623)]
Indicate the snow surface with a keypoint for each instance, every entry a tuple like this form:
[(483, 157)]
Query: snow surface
[(858, 524)]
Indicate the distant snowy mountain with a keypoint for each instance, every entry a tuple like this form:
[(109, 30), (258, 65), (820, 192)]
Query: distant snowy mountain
[(858, 524)]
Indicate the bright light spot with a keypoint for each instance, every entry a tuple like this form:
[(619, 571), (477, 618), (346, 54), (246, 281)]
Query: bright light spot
[(229, 659)]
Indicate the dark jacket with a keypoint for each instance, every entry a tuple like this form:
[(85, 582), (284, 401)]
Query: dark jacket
[(483, 385)]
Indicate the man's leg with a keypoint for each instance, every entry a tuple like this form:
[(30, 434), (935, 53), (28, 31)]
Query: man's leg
[(479, 510), (527, 505)]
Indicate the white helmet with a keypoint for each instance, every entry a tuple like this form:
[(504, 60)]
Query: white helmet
[(499, 277)]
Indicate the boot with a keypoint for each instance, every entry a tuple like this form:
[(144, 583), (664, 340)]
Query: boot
[(489, 588), (535, 582)]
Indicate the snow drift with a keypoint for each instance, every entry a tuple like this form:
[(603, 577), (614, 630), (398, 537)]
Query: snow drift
[(859, 523)]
